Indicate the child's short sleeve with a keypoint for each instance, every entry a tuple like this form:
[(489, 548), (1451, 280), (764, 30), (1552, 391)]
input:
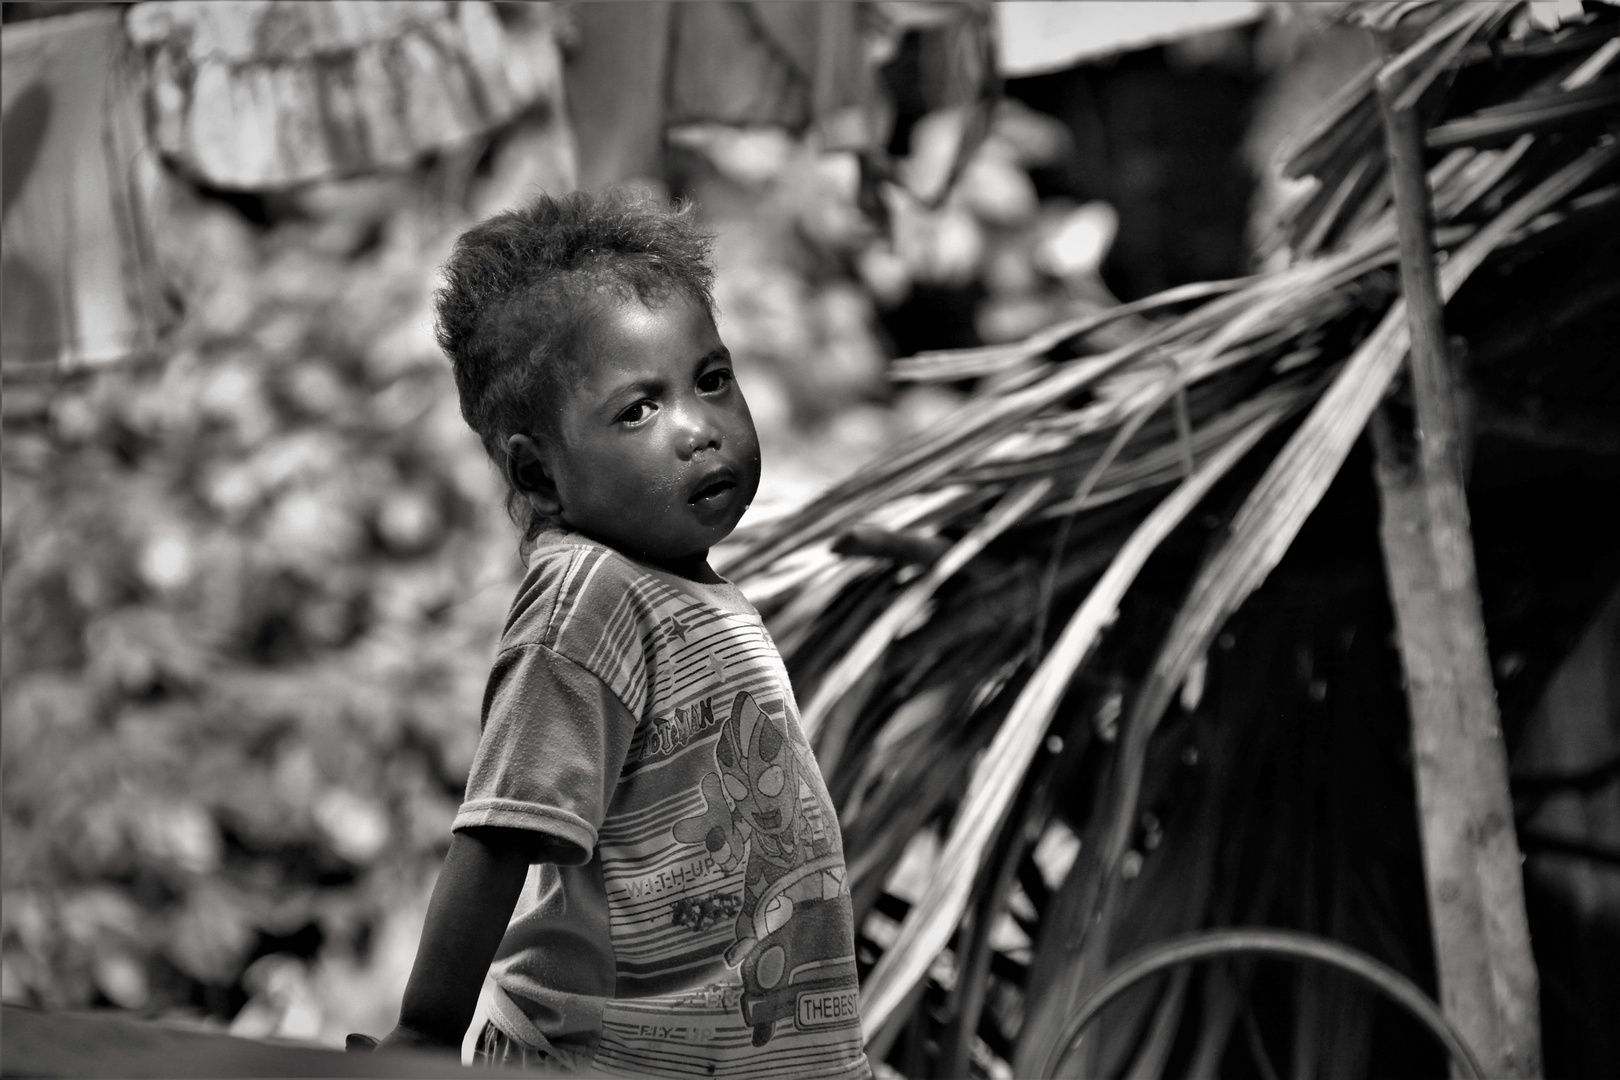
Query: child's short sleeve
[(554, 741)]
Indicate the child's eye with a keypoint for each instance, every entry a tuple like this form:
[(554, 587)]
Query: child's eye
[(636, 413), (713, 381)]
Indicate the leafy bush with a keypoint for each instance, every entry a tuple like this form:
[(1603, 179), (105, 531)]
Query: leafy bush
[(250, 591)]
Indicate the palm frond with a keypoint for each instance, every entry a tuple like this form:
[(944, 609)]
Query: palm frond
[(911, 602)]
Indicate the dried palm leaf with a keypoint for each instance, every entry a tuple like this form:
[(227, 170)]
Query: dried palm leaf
[(1262, 532), (931, 922), (866, 652), (911, 601)]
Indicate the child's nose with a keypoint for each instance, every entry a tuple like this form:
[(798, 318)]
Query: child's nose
[(699, 432)]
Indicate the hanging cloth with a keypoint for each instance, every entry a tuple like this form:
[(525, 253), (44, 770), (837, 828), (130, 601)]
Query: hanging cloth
[(260, 95), (81, 286)]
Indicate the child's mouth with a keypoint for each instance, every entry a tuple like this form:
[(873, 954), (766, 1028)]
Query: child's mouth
[(713, 492)]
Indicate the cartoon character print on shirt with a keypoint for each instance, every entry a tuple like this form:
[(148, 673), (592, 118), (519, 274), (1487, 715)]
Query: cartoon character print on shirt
[(795, 902)]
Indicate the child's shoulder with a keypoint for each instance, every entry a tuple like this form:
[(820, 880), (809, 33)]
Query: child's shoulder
[(581, 570), (577, 588), (561, 558), (617, 618)]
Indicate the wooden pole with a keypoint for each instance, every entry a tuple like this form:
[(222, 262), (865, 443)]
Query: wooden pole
[(1487, 973)]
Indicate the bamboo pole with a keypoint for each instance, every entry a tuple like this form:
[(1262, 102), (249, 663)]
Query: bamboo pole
[(1487, 974)]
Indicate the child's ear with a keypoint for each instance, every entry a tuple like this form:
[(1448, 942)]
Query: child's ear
[(526, 471)]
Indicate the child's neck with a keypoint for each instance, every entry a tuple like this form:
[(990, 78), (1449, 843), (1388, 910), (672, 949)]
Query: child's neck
[(692, 568)]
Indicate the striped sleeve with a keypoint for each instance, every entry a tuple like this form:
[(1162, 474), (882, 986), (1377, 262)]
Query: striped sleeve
[(554, 741), (604, 619)]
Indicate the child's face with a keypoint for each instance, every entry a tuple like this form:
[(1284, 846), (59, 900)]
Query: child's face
[(658, 456)]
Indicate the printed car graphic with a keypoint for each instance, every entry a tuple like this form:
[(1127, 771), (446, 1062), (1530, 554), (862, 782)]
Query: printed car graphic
[(795, 907)]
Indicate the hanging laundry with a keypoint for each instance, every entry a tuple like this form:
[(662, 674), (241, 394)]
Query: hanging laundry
[(266, 94), (81, 285)]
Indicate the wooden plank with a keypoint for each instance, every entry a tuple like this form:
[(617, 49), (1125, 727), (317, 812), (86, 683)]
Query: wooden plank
[(105, 1044), (1487, 973)]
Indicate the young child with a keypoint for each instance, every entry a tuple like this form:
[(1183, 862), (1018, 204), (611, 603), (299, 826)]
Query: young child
[(647, 860)]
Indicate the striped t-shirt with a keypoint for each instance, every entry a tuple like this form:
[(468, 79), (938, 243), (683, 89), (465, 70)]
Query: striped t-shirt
[(695, 920)]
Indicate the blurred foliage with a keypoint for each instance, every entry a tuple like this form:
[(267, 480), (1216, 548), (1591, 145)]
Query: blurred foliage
[(819, 262), (250, 590), (252, 584)]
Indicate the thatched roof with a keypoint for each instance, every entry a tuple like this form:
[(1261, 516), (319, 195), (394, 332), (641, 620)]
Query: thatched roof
[(937, 607)]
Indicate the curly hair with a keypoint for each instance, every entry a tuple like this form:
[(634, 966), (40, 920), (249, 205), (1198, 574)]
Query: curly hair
[(521, 287)]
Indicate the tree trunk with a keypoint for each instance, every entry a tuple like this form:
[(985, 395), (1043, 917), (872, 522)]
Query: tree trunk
[(1488, 981)]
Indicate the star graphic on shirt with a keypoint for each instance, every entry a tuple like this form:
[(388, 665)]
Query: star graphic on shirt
[(717, 665), (675, 628)]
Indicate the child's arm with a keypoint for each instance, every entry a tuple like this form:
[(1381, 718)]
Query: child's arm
[(472, 903)]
